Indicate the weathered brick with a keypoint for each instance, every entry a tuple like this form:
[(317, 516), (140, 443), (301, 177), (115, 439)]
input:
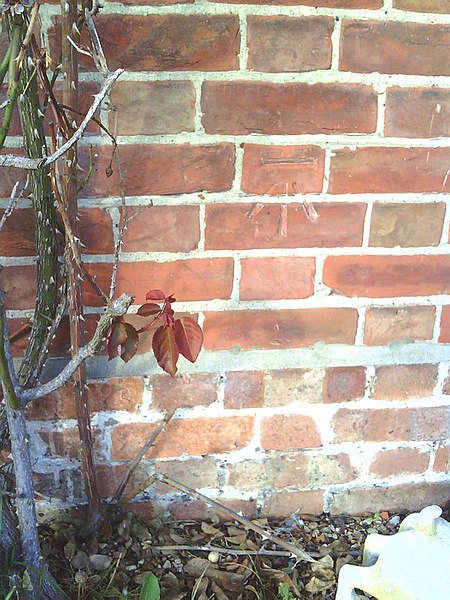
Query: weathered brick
[(329, 469), (183, 391), (417, 112), (162, 229), (446, 386), (173, 42), (445, 325), (65, 443), (388, 276), (279, 328), (18, 284), (408, 497), (277, 471), (383, 425), (244, 389), (404, 382), (276, 278), (283, 504), (397, 225), (400, 461), (195, 510), (390, 170), (110, 477), (241, 108), (282, 169), (196, 473), (289, 432), (435, 6), (293, 386), (442, 460), (186, 278), (280, 44), (342, 384), (17, 237), (194, 437), (11, 176), (391, 324), (96, 231), (391, 47), (248, 226), (161, 169), (315, 3), (152, 107)]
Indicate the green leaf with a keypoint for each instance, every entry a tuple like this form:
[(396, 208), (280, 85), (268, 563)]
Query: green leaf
[(150, 588)]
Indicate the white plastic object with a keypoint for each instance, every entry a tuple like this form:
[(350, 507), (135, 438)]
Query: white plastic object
[(413, 564)]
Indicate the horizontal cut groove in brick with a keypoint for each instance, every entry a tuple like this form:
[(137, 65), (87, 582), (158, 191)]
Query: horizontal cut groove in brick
[(242, 108), (407, 225), (161, 169), (387, 325), (417, 112), (195, 279), (315, 3), (276, 278), (388, 276), (433, 6), (279, 328), (282, 169), (248, 226), (390, 463), (194, 437), (289, 432), (165, 42), (162, 229), (445, 325), (152, 107), (385, 425), (390, 170), (404, 382), (391, 47), (289, 44)]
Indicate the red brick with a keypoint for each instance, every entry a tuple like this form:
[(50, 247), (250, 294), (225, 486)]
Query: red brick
[(244, 389), (284, 504), (391, 47), (400, 461), (152, 107), (384, 425), (248, 226), (9, 175), (388, 276), (390, 170), (404, 382), (184, 391), (110, 477), (315, 3), (396, 225), (185, 278), (161, 169), (282, 169), (343, 384), (86, 90), (96, 231), (194, 437), (293, 386), (18, 284), (445, 325), (162, 229), (417, 112), (289, 432), (391, 324), (277, 278), (173, 42), (242, 108), (65, 443), (442, 460), (196, 473), (436, 6), (17, 237), (279, 328), (280, 44)]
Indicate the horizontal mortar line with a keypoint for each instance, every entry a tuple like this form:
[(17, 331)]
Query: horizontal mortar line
[(319, 355), (326, 76), (226, 9)]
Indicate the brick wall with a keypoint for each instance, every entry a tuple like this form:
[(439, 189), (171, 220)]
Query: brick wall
[(297, 157)]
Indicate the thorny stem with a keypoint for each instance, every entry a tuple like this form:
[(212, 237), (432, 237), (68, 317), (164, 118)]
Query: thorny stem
[(7, 374)]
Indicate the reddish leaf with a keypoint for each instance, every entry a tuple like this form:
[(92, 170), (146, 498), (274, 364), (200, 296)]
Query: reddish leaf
[(148, 309), (117, 337), (130, 346), (165, 349), (155, 295), (188, 338)]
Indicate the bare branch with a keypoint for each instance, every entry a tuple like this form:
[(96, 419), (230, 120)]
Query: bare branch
[(23, 162), (14, 198), (98, 54), (117, 308)]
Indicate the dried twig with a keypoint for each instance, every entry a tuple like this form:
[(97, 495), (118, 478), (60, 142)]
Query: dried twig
[(264, 533), (221, 550)]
